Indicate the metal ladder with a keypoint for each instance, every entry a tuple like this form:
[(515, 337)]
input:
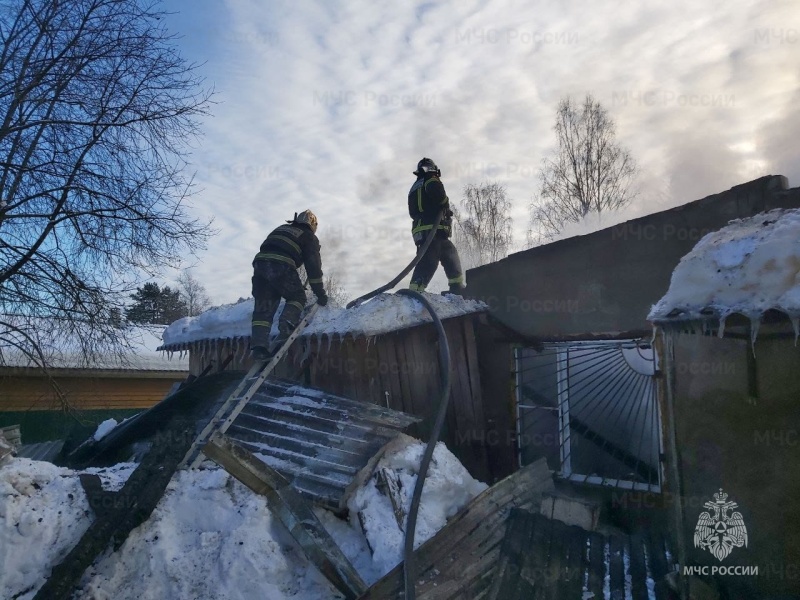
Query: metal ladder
[(231, 408)]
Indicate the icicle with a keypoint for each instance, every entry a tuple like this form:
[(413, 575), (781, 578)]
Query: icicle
[(706, 327), (330, 341), (306, 351), (755, 323), (796, 326), (721, 332)]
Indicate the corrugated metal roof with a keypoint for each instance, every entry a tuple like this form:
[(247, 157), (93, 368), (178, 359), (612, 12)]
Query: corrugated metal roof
[(318, 441), (46, 451)]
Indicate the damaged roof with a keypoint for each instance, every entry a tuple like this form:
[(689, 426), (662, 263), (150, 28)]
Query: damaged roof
[(749, 267), (383, 314), (317, 440)]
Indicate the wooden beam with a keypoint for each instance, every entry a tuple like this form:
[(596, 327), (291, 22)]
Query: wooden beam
[(461, 557), (294, 512), (389, 484)]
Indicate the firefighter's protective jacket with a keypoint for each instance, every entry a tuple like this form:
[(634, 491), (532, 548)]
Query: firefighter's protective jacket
[(296, 245), (425, 199)]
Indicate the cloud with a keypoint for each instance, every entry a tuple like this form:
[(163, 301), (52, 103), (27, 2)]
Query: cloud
[(329, 107)]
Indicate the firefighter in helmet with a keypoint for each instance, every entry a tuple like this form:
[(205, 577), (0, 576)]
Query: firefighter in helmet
[(275, 276), (425, 199)]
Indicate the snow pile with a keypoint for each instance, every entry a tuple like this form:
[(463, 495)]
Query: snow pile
[(209, 537), (43, 513), (104, 429), (448, 487), (750, 266), (384, 313)]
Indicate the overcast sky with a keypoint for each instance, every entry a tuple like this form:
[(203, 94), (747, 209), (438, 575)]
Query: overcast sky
[(329, 105)]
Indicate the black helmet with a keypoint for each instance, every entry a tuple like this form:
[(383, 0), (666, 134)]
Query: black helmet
[(426, 165)]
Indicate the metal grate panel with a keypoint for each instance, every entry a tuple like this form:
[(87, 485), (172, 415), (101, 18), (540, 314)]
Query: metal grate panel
[(591, 409)]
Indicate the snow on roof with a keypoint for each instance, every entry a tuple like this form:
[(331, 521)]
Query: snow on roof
[(749, 267), (142, 356), (382, 314)]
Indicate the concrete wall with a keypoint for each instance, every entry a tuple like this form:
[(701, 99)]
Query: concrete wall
[(604, 283), (738, 428)]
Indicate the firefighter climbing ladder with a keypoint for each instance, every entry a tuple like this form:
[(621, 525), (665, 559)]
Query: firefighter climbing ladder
[(231, 408)]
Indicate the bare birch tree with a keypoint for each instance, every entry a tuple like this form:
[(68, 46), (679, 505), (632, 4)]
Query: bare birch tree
[(193, 293), (589, 171), (482, 226), (96, 110)]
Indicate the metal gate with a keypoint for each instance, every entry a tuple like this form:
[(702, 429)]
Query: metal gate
[(591, 409)]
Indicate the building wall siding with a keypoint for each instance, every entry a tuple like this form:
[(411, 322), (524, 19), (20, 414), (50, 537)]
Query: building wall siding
[(37, 394)]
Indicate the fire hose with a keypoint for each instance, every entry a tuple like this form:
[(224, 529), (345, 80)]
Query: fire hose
[(444, 369)]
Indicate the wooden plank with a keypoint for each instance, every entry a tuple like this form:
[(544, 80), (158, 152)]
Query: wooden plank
[(354, 370), (638, 569), (396, 349), (529, 573), (465, 583), (483, 518), (657, 561), (516, 542), (415, 385), (389, 485), (388, 372), (557, 566), (319, 365), (597, 549), (617, 567), (472, 410), (471, 346), (535, 568), (570, 584), (370, 369), (464, 427), (473, 369), (293, 512)]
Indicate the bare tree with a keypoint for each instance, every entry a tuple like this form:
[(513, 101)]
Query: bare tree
[(96, 109), (335, 290), (482, 227), (589, 172), (337, 295), (193, 293)]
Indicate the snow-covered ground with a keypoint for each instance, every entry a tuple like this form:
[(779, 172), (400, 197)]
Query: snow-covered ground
[(210, 537)]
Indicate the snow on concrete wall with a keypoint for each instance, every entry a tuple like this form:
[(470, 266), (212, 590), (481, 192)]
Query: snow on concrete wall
[(748, 267)]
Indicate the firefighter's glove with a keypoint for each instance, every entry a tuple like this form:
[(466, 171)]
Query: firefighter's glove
[(322, 298)]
